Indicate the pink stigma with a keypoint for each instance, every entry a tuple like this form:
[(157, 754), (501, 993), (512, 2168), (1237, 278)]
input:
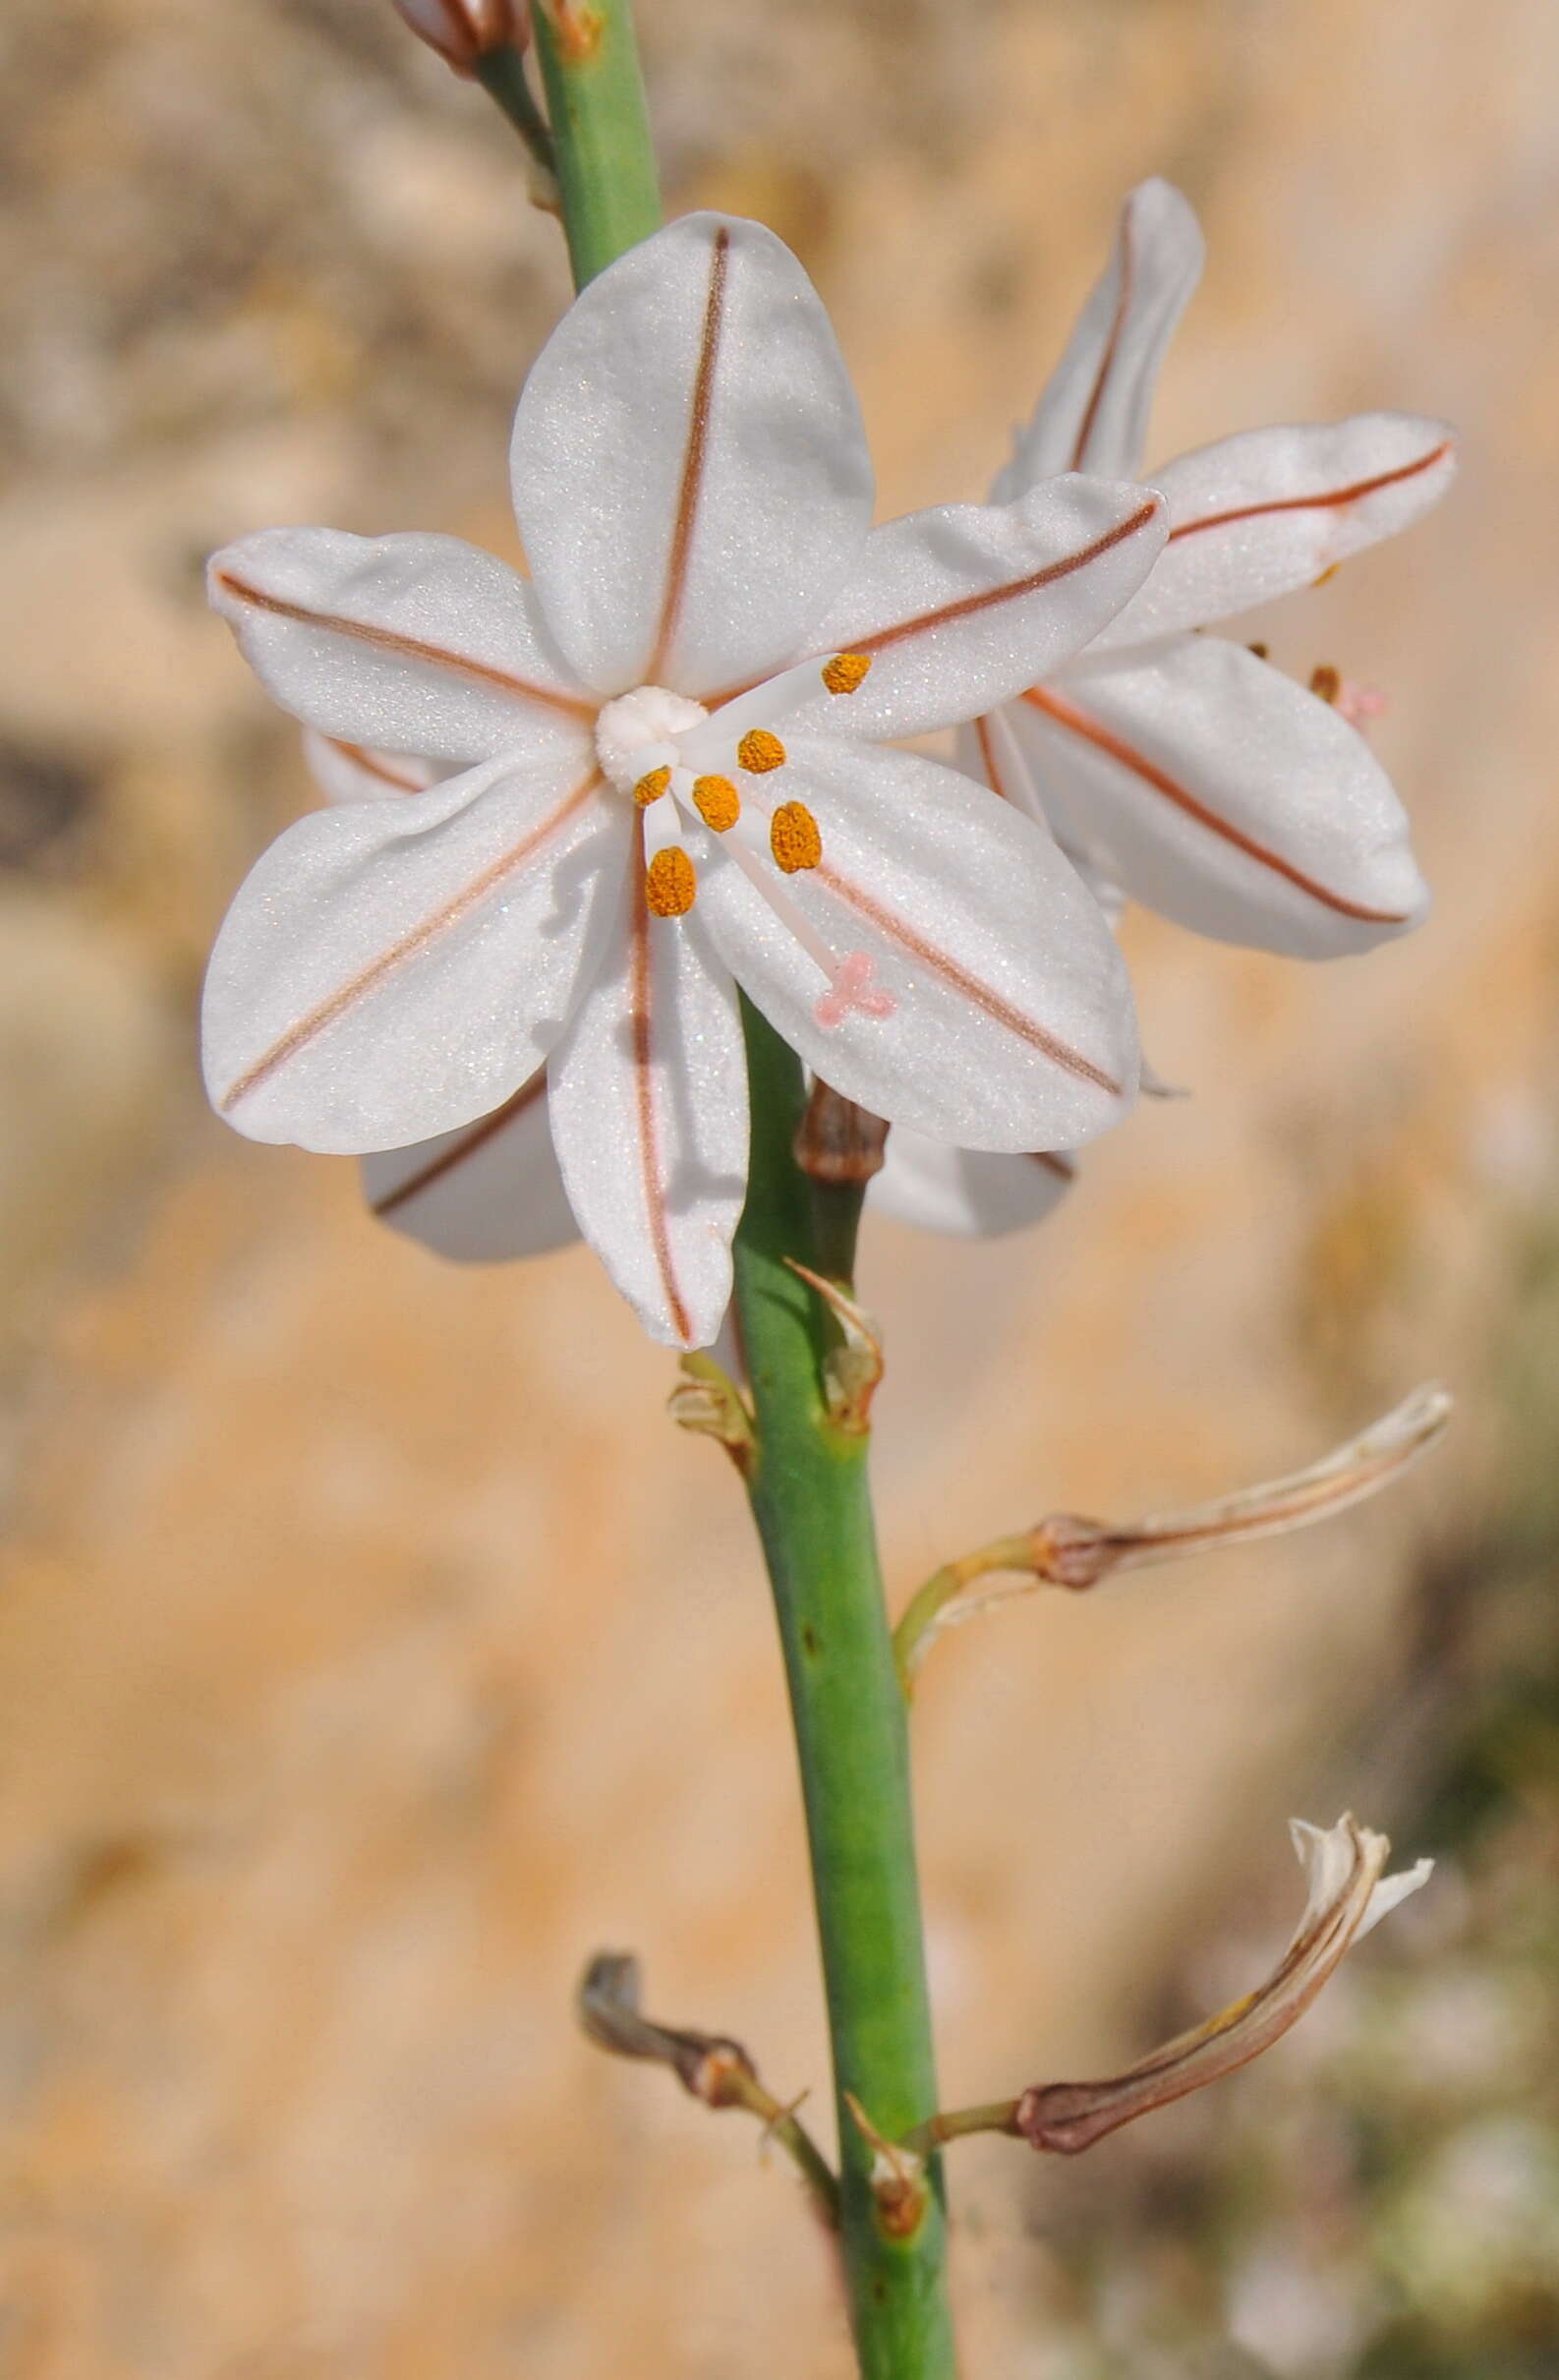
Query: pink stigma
[(1358, 705), (851, 992)]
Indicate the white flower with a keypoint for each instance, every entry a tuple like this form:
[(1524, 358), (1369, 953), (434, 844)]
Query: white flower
[(1204, 783), (667, 781)]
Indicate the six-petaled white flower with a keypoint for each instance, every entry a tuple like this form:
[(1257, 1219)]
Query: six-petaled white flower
[(1200, 780), (668, 780)]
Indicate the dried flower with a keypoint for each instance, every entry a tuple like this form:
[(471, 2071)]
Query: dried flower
[(464, 30), (1349, 1893)]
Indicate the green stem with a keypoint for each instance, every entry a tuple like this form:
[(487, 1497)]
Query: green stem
[(502, 74), (811, 1499), (601, 132), (807, 1480)]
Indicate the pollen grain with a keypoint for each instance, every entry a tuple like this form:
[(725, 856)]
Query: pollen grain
[(717, 801), (759, 752), (793, 837), (651, 788), (846, 672)]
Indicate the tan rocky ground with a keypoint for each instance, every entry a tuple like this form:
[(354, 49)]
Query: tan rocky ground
[(371, 1647)]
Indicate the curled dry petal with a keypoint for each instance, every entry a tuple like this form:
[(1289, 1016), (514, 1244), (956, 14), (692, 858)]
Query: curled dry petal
[(1349, 1893), (1068, 1550)]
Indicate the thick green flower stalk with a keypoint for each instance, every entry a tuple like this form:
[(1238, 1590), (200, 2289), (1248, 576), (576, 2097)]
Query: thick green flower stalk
[(807, 1478)]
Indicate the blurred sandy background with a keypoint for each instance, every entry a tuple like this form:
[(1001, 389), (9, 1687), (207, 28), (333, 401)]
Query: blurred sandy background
[(372, 1649)]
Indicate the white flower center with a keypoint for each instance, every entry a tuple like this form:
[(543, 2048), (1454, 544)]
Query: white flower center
[(636, 732)]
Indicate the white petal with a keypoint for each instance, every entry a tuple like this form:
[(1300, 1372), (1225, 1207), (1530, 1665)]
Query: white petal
[(389, 970), (990, 749), (1328, 1854), (1260, 514), (488, 1191), (411, 644), (649, 1102), (690, 473), (355, 773), (1392, 1892), (971, 1192), (1217, 792), (957, 609), (1012, 1024), (1093, 414)]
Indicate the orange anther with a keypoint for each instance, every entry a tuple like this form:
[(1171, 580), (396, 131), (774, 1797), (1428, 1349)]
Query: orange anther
[(844, 672), (759, 752), (670, 882), (793, 837), (649, 788), (716, 802)]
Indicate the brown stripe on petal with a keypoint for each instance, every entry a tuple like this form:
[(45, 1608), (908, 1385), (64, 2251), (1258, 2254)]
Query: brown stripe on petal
[(1327, 500), (987, 743), (1055, 1161), (694, 458), (369, 978), (968, 605), (641, 1023), (408, 648), (477, 1135), (980, 995), (372, 764), (1103, 738), (1107, 360)]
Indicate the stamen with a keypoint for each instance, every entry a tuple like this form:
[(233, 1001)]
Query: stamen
[(793, 837), (716, 802), (649, 788), (846, 672), (759, 752), (670, 882), (852, 991), (1358, 705)]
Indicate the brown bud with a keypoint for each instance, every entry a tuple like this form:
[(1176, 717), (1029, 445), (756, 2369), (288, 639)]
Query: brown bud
[(839, 1142), (464, 30)]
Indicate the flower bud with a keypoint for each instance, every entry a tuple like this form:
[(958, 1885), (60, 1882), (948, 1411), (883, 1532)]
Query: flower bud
[(464, 30)]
